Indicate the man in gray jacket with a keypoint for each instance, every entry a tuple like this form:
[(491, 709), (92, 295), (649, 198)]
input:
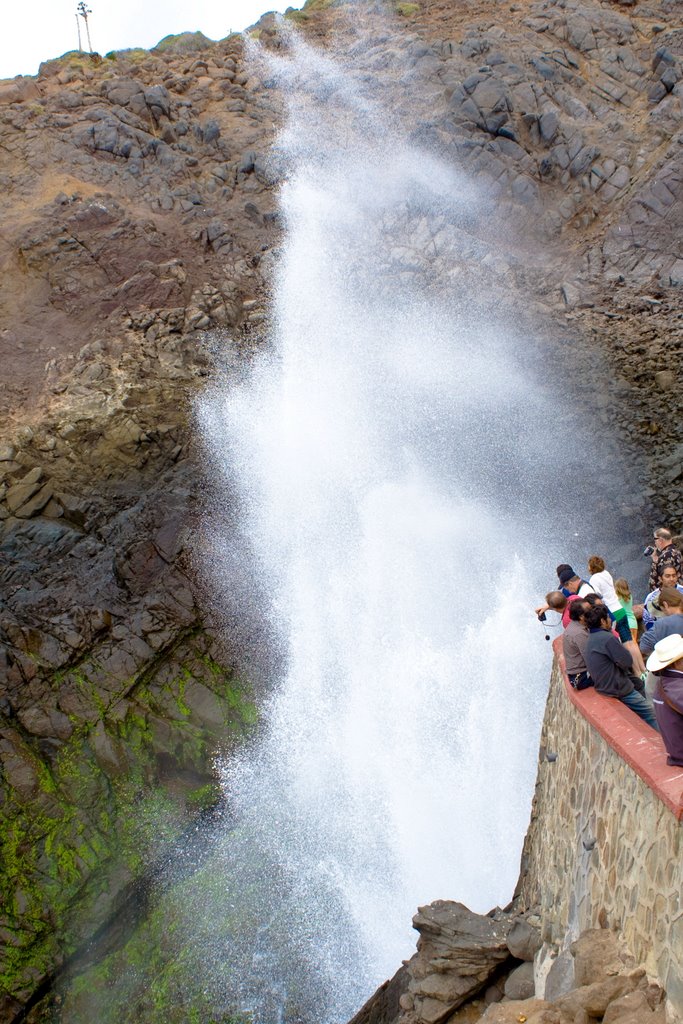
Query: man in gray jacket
[(574, 641), (610, 666)]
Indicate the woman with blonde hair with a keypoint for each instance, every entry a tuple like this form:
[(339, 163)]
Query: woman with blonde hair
[(626, 599)]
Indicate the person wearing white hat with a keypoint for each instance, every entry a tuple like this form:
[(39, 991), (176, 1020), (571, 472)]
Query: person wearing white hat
[(666, 661)]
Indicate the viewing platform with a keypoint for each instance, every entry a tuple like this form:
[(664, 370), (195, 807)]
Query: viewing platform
[(639, 745), (604, 844)]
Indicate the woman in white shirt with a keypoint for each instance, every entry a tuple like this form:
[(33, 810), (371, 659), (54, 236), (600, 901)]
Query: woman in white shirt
[(602, 583)]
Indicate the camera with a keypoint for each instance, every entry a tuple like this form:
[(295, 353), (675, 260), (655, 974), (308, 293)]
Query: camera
[(541, 616), (648, 551)]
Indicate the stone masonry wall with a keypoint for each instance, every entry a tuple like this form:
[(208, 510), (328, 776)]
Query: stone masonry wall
[(604, 846)]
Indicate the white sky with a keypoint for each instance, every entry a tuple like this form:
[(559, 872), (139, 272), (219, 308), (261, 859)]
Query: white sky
[(35, 30)]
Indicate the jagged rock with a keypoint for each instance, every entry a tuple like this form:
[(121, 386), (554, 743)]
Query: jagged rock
[(458, 951), (386, 1005), (20, 493)]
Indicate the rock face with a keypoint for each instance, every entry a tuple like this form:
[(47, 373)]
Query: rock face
[(139, 213), (116, 689), (459, 952)]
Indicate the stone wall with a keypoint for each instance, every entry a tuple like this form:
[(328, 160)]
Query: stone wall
[(604, 844)]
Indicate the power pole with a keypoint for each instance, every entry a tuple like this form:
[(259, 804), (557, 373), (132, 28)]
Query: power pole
[(84, 11), (78, 26)]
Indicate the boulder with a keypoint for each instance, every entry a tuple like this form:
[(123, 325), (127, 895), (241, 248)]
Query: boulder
[(633, 1008), (596, 956), (595, 998), (520, 984), (523, 940)]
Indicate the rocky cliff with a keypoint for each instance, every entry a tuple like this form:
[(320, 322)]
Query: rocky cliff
[(140, 228)]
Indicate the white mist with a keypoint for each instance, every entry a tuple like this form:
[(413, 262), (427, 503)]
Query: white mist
[(391, 484)]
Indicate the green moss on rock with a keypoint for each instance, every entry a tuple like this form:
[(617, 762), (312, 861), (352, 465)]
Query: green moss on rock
[(104, 803)]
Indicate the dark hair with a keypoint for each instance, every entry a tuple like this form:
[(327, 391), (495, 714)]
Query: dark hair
[(577, 609), (596, 563), (670, 596), (560, 569), (595, 616), (593, 600)]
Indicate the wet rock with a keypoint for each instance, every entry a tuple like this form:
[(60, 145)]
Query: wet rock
[(458, 951), (45, 722)]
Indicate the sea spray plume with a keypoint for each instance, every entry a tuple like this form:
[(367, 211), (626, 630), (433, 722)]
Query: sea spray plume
[(383, 454)]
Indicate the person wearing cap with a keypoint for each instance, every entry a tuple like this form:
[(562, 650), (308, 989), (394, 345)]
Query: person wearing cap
[(664, 554), (652, 609), (666, 661), (571, 587), (610, 666), (573, 584)]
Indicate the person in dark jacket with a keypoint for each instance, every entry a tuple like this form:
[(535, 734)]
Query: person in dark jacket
[(610, 666), (666, 661)]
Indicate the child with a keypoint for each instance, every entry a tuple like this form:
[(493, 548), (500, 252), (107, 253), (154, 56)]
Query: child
[(626, 600)]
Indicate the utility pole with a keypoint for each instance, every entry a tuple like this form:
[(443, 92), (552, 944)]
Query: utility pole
[(84, 11), (78, 26)]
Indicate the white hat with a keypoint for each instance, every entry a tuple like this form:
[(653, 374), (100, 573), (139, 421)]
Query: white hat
[(669, 649)]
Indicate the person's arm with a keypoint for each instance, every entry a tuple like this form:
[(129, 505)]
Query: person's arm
[(618, 653), (648, 618), (647, 642)]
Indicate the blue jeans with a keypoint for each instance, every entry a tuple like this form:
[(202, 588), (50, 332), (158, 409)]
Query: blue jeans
[(642, 707)]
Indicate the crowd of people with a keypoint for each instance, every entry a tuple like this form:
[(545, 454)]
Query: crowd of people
[(627, 651)]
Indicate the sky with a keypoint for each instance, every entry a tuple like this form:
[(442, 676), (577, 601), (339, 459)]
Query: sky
[(47, 28)]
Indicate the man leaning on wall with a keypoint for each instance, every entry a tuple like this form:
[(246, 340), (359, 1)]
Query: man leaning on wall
[(666, 661)]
